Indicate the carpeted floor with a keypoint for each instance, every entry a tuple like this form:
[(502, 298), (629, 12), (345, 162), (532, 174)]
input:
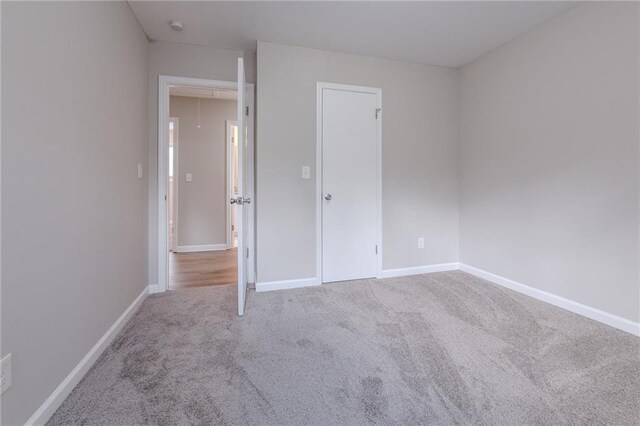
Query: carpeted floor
[(444, 348)]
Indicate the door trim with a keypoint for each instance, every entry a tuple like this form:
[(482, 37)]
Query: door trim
[(176, 182), (319, 105), (229, 180), (164, 81)]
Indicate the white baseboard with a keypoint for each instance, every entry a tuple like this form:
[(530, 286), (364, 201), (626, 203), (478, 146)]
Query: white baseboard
[(388, 273), (575, 307), (417, 270), (63, 390), (202, 247), (154, 288), (282, 285)]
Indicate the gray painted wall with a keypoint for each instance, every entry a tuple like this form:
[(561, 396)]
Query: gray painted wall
[(74, 127), (420, 189), (182, 60), (549, 158), (202, 203)]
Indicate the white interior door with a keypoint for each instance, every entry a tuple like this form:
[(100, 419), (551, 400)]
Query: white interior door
[(243, 199), (349, 184)]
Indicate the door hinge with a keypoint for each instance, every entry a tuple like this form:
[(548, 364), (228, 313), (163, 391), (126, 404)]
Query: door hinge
[(165, 198), (247, 253), (246, 112), (378, 111), (376, 249)]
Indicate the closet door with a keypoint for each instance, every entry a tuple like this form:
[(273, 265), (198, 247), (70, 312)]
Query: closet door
[(349, 184)]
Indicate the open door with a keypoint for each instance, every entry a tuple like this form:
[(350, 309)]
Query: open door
[(243, 199)]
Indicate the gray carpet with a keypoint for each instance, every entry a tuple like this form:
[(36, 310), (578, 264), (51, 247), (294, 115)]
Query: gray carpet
[(444, 348)]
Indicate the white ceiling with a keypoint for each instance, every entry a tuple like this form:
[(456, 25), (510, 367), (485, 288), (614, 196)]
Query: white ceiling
[(439, 33)]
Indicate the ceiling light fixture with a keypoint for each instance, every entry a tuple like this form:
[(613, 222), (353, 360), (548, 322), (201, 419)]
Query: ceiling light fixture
[(176, 25)]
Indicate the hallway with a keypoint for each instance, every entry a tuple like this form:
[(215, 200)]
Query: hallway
[(205, 268)]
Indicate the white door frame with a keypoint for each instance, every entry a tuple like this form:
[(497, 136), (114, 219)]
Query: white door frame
[(176, 181), (362, 89), (164, 82), (230, 169)]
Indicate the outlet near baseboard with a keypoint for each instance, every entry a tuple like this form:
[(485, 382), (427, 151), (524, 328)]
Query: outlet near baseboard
[(421, 242), (5, 373)]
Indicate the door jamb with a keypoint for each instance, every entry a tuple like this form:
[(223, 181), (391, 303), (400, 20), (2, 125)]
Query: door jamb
[(229, 154), (176, 181), (164, 81), (378, 92)]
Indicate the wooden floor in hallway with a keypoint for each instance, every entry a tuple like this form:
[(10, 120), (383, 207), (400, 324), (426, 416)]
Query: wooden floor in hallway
[(205, 268)]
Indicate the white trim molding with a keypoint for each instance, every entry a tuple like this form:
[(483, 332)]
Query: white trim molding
[(417, 270), (231, 166), (176, 182), (201, 247), (53, 402), (561, 302), (288, 284)]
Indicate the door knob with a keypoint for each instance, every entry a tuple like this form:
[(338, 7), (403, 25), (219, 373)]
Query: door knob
[(328, 197), (233, 201), (246, 201)]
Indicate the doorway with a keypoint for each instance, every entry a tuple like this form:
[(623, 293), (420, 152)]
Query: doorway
[(201, 252), (349, 178), (205, 255)]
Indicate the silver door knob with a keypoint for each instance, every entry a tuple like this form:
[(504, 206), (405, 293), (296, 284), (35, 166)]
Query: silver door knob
[(233, 201), (246, 201), (328, 197)]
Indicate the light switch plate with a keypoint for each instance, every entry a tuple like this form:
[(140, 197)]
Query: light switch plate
[(5, 374), (306, 172), (139, 171), (421, 243), (188, 177)]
